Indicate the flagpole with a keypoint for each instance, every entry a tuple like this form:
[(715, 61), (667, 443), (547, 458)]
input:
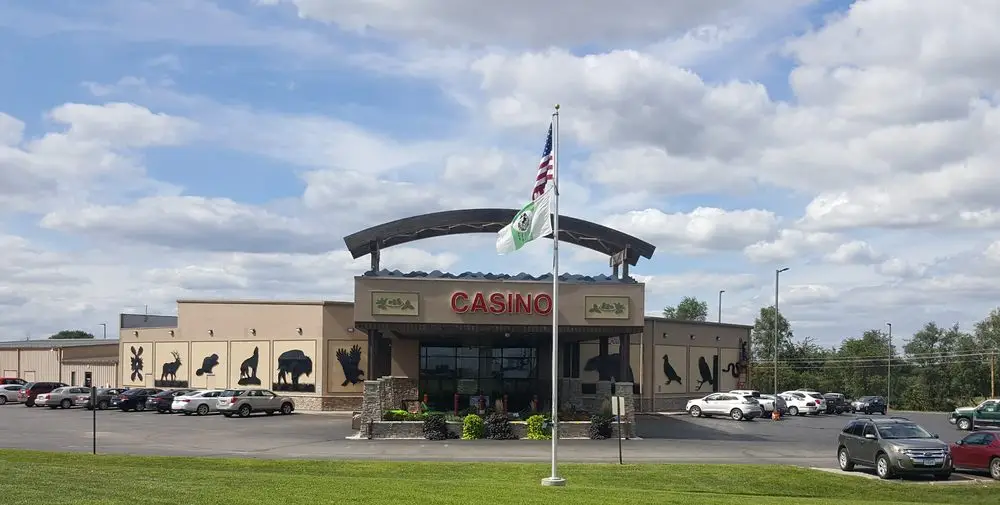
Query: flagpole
[(554, 479)]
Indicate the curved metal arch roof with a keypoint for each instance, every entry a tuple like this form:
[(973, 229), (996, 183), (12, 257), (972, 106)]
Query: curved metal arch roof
[(457, 222)]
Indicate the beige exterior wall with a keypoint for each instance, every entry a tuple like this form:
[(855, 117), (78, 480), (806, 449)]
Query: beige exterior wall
[(40, 365), (102, 375), (9, 366), (342, 385), (58, 364), (430, 302)]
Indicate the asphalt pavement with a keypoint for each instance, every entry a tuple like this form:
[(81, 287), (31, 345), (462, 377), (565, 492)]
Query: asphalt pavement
[(802, 441)]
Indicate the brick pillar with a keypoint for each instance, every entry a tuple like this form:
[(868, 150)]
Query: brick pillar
[(572, 392), (371, 405)]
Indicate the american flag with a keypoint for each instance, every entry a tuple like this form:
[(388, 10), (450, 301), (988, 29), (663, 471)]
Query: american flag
[(544, 168)]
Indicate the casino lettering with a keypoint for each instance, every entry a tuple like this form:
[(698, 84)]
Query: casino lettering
[(501, 303)]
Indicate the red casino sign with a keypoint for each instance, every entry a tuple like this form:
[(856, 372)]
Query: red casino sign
[(501, 303)]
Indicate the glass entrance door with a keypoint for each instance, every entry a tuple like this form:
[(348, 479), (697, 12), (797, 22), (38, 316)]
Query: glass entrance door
[(471, 371)]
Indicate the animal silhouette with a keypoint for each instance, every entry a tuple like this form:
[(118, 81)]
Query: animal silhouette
[(608, 367), (136, 364), (170, 367), (294, 363), (207, 364), (350, 363), (248, 369), (669, 372), (706, 374), (736, 369)]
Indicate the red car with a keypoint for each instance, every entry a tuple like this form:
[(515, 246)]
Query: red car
[(979, 452)]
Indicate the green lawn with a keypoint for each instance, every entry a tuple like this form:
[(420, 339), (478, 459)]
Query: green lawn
[(37, 478)]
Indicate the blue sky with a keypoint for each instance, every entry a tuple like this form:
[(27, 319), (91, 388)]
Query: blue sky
[(168, 146)]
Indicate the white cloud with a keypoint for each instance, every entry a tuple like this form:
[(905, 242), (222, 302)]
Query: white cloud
[(703, 229), (855, 252), (789, 244)]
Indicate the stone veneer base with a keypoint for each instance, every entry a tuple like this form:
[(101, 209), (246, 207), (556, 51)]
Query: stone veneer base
[(327, 403)]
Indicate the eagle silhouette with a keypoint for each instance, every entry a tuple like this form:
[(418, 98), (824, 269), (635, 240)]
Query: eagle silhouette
[(350, 362)]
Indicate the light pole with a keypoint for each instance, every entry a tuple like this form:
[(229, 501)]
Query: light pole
[(105, 326), (720, 303), (777, 273), (888, 370)]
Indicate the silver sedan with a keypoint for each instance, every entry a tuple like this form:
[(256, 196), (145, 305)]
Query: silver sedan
[(197, 402), (66, 397)]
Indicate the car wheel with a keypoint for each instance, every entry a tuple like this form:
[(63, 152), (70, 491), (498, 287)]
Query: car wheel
[(3, 400), (65, 404), (244, 411), (964, 424), (793, 411), (695, 411), (202, 409), (29, 403), (736, 414), (845, 460), (286, 408), (140, 407), (882, 467), (102, 405)]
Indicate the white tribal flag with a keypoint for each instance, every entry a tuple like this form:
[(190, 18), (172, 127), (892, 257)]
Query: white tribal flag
[(533, 221)]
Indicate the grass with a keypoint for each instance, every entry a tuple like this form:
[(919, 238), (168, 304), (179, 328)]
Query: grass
[(59, 478)]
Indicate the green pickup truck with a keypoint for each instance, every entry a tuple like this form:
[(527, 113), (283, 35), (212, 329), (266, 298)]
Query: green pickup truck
[(986, 414)]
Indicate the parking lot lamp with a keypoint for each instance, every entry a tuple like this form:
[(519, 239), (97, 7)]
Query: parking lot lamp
[(888, 370)]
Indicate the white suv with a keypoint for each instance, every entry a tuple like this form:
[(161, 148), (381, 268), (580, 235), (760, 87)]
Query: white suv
[(799, 404), (735, 406), (814, 396), (766, 405)]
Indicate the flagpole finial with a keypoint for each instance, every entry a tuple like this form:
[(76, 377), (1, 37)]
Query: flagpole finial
[(557, 106)]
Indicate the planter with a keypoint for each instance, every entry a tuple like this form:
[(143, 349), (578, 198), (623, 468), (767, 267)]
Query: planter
[(415, 429)]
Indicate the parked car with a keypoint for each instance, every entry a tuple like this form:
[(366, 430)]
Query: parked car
[(12, 381), (66, 397), (869, 405), (766, 404), (984, 414), (8, 393), (31, 390), (893, 446), (813, 396), (135, 399), (779, 403), (162, 402), (799, 404), (836, 403), (738, 407), (104, 398), (978, 452), (243, 402), (197, 402)]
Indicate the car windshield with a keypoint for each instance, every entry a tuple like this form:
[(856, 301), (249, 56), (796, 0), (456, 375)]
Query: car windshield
[(892, 431), (57, 390)]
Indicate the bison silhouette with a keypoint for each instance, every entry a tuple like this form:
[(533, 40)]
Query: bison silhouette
[(293, 363), (608, 367)]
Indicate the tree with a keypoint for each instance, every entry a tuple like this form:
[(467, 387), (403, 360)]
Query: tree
[(689, 309), (762, 336), (71, 334)]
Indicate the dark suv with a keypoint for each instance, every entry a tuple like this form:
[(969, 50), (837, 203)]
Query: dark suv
[(31, 390), (836, 403), (893, 446), (869, 405), (135, 399)]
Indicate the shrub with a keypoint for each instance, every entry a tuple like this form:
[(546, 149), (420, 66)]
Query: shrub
[(401, 415), (601, 427), (498, 427), (435, 427), (473, 427), (537, 429)]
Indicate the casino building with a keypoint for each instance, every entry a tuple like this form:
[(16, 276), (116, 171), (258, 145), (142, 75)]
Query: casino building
[(461, 336)]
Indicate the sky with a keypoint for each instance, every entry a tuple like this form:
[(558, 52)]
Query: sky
[(159, 150)]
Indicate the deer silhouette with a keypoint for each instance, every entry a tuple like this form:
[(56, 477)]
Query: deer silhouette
[(170, 368)]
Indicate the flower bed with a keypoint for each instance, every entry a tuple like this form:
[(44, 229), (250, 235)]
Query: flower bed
[(414, 429)]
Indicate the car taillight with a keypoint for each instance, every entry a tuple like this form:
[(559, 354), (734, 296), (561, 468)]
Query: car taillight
[(184, 401)]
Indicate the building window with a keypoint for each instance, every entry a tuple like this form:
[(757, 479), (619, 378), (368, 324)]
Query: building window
[(473, 371)]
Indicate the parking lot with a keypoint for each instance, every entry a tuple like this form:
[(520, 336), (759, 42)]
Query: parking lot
[(803, 441)]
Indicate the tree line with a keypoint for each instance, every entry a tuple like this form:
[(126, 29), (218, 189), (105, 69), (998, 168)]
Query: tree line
[(937, 368)]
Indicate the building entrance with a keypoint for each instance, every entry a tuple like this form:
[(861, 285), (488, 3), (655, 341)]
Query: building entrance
[(470, 371)]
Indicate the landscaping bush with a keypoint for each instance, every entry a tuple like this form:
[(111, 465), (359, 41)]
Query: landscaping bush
[(401, 415), (435, 428), (498, 427), (537, 429), (473, 427), (601, 427)]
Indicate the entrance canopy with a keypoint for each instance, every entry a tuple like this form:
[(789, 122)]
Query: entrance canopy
[(456, 222)]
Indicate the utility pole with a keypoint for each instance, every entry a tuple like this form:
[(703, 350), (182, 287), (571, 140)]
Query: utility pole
[(993, 374), (776, 274)]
